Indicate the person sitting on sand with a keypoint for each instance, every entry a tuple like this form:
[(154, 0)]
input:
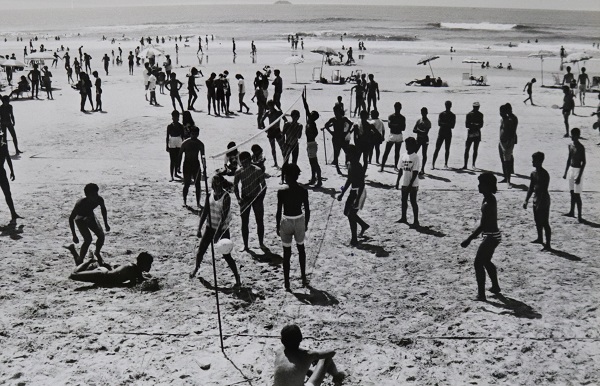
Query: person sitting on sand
[(500, 66), (102, 274), (83, 216), (426, 82), (22, 87), (509, 67), (292, 363)]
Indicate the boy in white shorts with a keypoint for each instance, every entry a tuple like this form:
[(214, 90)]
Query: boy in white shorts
[(574, 171), (291, 199), (410, 163), (396, 124)]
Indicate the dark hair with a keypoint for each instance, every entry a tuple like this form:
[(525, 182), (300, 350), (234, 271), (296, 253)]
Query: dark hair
[(256, 149), (410, 141), (291, 172), (187, 118), (291, 336), (448, 103), (245, 156), (90, 189), (575, 131), (488, 179), (364, 114), (295, 113), (398, 105), (352, 153), (374, 114), (424, 110), (538, 155), (95, 73), (144, 258), (175, 113), (508, 108)]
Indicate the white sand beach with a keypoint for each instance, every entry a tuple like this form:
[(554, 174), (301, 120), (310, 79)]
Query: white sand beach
[(398, 308)]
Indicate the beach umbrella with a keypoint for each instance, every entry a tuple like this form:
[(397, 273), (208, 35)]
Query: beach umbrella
[(577, 57), (40, 55), (427, 60), (542, 54), (294, 60), (13, 63), (472, 61), (325, 51)]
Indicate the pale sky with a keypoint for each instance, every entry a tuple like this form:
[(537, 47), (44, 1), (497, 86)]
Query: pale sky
[(585, 5)]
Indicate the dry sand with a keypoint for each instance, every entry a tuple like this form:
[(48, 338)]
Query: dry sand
[(398, 308)]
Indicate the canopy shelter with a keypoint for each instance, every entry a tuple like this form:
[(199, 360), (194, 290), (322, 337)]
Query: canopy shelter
[(325, 51), (472, 61), (578, 57), (427, 60), (542, 54)]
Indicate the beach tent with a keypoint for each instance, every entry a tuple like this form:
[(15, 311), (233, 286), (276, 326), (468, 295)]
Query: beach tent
[(294, 60), (325, 51), (472, 61), (427, 60), (542, 54)]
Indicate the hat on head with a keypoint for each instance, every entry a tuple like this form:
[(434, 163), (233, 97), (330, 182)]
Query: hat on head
[(475, 104)]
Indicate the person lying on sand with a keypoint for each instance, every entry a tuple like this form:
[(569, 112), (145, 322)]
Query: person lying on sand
[(421, 82), (101, 274), (292, 363)]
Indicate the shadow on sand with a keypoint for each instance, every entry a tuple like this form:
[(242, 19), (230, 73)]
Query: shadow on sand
[(267, 256), (564, 255), (316, 297), (589, 223), (515, 308), (243, 293), (12, 230), (378, 250)]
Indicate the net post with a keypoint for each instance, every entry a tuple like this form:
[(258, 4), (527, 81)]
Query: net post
[(212, 251)]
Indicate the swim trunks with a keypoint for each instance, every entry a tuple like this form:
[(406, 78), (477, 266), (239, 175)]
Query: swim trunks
[(292, 227)]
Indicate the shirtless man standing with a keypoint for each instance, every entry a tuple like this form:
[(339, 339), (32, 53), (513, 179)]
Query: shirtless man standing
[(192, 148), (540, 179), (292, 362), (252, 196), (574, 172), (396, 124), (4, 184), (294, 223), (83, 216), (473, 123), (583, 81)]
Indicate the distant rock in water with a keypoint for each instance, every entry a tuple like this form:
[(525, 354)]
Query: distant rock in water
[(282, 2)]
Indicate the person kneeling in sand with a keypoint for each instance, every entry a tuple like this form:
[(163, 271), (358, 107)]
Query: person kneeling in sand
[(292, 363), (101, 274)]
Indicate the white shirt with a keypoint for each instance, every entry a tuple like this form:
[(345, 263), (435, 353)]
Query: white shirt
[(378, 125), (410, 163), (146, 76), (151, 83), (242, 86)]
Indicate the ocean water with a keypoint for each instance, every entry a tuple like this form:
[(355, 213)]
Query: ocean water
[(269, 22)]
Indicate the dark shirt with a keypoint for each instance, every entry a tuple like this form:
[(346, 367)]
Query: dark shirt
[(175, 129), (6, 113), (278, 83), (508, 128), (275, 130)]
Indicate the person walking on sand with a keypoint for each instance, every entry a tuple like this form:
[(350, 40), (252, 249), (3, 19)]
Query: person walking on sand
[(446, 122), (396, 124), (7, 122), (106, 60), (242, 92), (292, 363), (473, 123), (583, 81), (4, 184), (358, 194), (152, 88), (291, 221), (252, 196), (83, 216), (85, 90), (410, 162), (538, 187), (193, 149), (491, 237), (218, 202), (574, 173), (192, 88), (98, 85), (422, 128), (175, 134), (529, 88), (567, 107), (173, 85), (508, 140)]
